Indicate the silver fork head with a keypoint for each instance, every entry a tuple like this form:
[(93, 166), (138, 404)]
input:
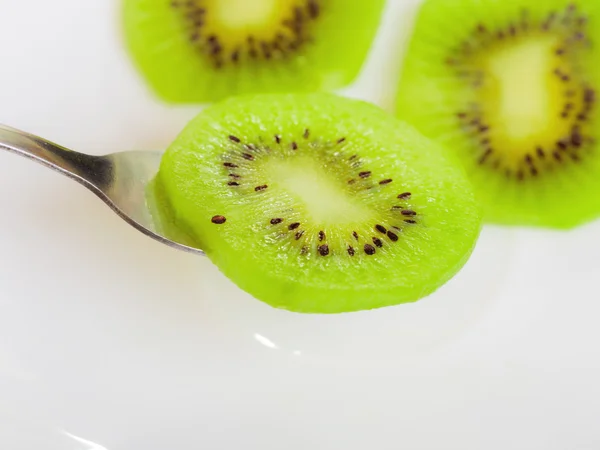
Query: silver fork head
[(122, 180)]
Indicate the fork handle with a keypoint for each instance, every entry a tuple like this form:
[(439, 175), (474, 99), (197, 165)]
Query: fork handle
[(93, 172)]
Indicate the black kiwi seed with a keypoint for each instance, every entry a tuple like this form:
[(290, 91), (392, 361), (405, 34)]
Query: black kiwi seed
[(355, 234), (377, 242), (386, 181), (350, 250), (324, 250), (540, 152), (520, 175), (277, 138), (380, 228), (233, 183), (218, 220), (306, 134), (393, 236), (299, 234), (294, 225), (340, 140), (228, 164), (294, 146), (485, 156), (234, 139), (369, 249), (364, 174), (235, 175), (247, 156), (313, 9), (260, 188), (408, 212), (266, 50), (410, 221), (589, 96), (404, 196), (276, 221), (321, 235)]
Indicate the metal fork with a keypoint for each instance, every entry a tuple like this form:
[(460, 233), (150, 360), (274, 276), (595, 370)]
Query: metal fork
[(119, 179)]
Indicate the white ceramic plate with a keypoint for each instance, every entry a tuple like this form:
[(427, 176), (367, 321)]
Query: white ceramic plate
[(111, 341)]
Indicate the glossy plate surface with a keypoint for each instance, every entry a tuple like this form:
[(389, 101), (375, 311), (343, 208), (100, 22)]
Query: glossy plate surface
[(111, 341)]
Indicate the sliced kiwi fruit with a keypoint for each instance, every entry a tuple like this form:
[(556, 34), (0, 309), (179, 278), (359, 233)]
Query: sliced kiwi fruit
[(511, 87), (320, 204), (202, 50)]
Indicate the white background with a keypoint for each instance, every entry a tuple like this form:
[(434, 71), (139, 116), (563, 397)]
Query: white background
[(109, 340)]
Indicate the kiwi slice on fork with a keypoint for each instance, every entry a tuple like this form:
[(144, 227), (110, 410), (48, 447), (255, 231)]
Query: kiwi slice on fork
[(511, 87), (194, 51), (317, 203)]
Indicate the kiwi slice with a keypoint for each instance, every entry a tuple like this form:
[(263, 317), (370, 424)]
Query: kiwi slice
[(511, 87), (317, 203), (204, 50)]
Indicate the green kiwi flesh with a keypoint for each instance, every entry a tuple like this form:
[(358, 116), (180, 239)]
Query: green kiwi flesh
[(511, 87), (319, 204), (194, 51)]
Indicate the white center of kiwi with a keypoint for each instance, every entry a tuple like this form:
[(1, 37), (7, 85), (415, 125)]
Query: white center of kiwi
[(525, 101), (245, 14), (323, 196)]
